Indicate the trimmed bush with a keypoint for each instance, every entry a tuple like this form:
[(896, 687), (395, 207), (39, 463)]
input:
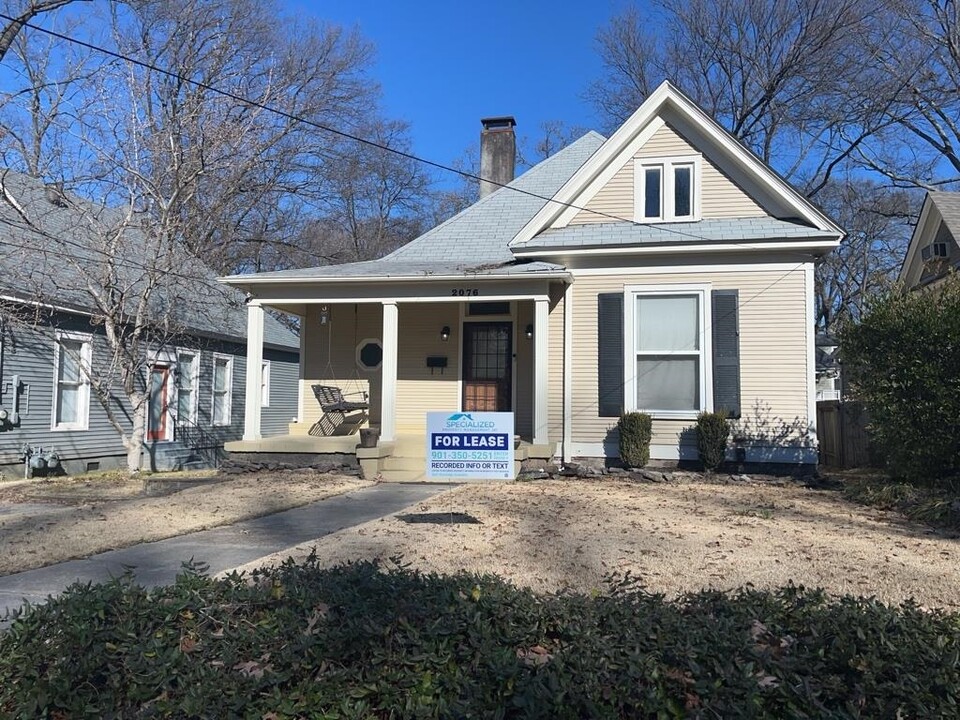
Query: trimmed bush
[(903, 361), (357, 641), (636, 429), (713, 430)]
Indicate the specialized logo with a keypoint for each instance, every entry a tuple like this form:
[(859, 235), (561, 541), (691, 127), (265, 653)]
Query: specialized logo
[(460, 416), (465, 421)]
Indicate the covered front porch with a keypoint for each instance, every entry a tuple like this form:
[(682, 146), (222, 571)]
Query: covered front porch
[(455, 345)]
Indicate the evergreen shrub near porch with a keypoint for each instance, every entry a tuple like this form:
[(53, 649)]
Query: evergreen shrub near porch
[(359, 641), (635, 430), (713, 431)]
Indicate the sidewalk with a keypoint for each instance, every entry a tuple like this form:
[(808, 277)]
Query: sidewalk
[(223, 548)]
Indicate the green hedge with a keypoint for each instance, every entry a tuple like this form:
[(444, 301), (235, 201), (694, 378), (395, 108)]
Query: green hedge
[(903, 360), (356, 641), (713, 431)]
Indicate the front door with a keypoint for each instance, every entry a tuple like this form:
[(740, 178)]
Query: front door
[(487, 366), (157, 419)]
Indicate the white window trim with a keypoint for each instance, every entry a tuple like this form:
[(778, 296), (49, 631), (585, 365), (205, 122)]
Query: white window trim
[(631, 293), (83, 396), (667, 200), (265, 384), (195, 398), (228, 400), (363, 343)]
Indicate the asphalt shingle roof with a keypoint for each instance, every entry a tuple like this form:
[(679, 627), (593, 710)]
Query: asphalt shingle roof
[(477, 239), (51, 245), (948, 203), (600, 235)]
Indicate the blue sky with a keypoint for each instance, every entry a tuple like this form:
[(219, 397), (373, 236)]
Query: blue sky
[(444, 65)]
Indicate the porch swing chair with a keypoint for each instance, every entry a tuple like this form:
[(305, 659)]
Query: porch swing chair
[(340, 416)]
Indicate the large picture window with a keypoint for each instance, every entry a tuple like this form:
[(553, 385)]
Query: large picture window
[(667, 346), (222, 389), (71, 402)]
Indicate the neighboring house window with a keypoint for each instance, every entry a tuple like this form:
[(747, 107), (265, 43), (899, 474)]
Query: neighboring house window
[(187, 380), (265, 384), (71, 402), (667, 189), (222, 387), (667, 365)]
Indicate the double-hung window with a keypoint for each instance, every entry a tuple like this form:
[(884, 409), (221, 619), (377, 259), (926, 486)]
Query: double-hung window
[(188, 364), (71, 402), (667, 347), (222, 389), (667, 189)]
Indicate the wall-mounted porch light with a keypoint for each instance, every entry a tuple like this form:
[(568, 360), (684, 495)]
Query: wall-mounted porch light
[(529, 331), (324, 314), (445, 333)]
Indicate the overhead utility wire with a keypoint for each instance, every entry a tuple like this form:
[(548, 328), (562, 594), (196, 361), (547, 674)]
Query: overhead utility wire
[(340, 133)]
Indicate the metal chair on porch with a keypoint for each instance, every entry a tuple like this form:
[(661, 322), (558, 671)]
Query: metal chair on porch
[(340, 416)]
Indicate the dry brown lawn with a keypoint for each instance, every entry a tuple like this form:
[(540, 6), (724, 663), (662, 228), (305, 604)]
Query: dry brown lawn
[(50, 521), (555, 535)]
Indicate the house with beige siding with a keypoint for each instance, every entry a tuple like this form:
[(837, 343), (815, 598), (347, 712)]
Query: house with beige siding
[(663, 269)]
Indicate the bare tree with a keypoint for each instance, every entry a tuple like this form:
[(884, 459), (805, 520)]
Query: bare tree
[(177, 177), (790, 79), (921, 142), (18, 14)]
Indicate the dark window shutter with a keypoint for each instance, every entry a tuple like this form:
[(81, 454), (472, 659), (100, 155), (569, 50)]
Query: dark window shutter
[(726, 351), (610, 354)]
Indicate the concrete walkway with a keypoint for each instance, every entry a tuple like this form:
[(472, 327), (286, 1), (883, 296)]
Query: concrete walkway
[(223, 548)]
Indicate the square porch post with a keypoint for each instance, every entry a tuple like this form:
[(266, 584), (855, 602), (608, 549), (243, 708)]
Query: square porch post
[(251, 410), (541, 371), (388, 370)]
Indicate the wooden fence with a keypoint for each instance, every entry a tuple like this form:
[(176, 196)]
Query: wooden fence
[(842, 429)]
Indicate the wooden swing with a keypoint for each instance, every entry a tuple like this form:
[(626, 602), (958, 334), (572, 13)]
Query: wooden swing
[(340, 416)]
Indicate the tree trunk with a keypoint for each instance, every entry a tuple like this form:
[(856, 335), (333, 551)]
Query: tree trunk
[(134, 441)]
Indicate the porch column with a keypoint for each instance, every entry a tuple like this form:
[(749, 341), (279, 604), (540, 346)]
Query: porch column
[(541, 371), (251, 410), (388, 370)]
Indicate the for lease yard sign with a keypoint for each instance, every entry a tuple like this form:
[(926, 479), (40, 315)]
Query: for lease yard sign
[(470, 445)]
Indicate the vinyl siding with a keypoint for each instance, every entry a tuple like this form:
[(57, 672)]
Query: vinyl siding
[(29, 353), (720, 196), (773, 336)]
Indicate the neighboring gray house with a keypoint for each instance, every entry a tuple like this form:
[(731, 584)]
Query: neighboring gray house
[(53, 343)]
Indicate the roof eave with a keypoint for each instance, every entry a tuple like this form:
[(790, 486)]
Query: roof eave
[(244, 280)]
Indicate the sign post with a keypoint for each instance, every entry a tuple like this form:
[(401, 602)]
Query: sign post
[(470, 445)]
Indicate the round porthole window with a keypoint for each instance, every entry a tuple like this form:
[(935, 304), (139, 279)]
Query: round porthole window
[(369, 354)]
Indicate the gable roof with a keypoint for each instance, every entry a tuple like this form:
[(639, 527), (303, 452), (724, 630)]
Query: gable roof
[(940, 210), (636, 131), (39, 225)]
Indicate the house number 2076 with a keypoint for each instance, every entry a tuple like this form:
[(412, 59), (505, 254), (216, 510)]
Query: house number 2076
[(464, 292)]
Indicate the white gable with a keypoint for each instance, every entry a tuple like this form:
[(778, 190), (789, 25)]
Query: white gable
[(733, 182)]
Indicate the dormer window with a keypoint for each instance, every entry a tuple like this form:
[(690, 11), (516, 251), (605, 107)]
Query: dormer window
[(667, 189)]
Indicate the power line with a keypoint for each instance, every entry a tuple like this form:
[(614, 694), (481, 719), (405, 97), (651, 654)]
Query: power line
[(340, 133)]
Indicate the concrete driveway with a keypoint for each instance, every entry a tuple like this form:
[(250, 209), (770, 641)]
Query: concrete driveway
[(223, 548)]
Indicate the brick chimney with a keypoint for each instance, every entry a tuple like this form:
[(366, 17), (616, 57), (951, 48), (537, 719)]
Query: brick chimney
[(498, 152)]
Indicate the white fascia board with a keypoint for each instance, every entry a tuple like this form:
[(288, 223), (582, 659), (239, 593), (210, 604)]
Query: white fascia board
[(618, 142), (241, 280), (919, 231), (824, 245)]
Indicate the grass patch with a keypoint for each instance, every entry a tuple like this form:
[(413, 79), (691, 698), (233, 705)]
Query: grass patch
[(935, 506), (362, 641)]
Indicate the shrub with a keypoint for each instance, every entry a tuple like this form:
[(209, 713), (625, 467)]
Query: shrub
[(358, 641), (713, 429), (903, 360), (635, 429)]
